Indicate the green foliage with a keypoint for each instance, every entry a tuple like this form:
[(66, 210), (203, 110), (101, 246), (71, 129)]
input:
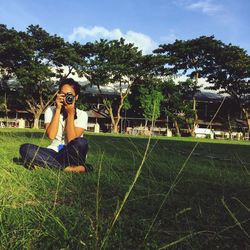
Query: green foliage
[(227, 67), (231, 75), (35, 60), (119, 63), (13, 50), (176, 105), (49, 209), (110, 62), (231, 71), (190, 56), (150, 98), (3, 104), (126, 104)]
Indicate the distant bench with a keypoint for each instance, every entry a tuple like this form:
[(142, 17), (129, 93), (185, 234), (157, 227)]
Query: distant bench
[(204, 133), (93, 127)]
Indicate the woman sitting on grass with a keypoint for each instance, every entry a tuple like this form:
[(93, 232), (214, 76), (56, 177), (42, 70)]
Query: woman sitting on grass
[(65, 125)]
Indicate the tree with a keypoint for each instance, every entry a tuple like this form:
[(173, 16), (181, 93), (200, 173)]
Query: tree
[(4, 90), (230, 74), (34, 76), (190, 57), (13, 51), (146, 98), (176, 106), (36, 60), (118, 63)]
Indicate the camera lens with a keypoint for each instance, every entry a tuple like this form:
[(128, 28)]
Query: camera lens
[(69, 98)]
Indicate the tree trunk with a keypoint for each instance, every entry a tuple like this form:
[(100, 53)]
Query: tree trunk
[(229, 126), (36, 108), (146, 124), (177, 128), (195, 110), (248, 125), (247, 115), (6, 108), (115, 125), (7, 119), (36, 119), (247, 120), (115, 128), (194, 105), (195, 116), (115, 120), (190, 131), (36, 123)]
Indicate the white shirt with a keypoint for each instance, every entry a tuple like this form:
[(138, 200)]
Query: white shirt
[(80, 122)]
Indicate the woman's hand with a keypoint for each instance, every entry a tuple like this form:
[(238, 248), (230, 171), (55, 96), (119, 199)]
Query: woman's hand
[(70, 108), (59, 101)]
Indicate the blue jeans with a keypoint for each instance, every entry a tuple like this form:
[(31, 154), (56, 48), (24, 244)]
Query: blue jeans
[(73, 154)]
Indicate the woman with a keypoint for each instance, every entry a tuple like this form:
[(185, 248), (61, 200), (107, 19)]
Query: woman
[(65, 125)]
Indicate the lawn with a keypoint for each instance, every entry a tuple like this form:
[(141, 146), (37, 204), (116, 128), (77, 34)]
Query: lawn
[(190, 194)]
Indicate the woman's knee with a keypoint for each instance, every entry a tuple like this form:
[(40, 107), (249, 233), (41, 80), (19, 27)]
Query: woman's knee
[(81, 142), (26, 150), (23, 150)]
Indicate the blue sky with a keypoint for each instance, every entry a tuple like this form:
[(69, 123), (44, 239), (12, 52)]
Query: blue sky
[(147, 23)]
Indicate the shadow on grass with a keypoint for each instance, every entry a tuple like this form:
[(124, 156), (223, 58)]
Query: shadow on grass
[(28, 134), (48, 209)]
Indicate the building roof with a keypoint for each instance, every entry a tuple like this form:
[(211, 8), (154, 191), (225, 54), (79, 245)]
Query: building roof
[(94, 114), (208, 97)]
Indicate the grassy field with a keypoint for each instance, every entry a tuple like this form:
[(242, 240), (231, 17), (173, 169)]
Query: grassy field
[(189, 195)]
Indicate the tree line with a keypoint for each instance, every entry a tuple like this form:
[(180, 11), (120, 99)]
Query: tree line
[(37, 60)]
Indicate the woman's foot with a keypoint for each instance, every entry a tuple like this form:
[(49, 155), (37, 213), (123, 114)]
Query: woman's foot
[(80, 169), (77, 169)]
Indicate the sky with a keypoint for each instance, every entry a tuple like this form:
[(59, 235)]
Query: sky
[(146, 23)]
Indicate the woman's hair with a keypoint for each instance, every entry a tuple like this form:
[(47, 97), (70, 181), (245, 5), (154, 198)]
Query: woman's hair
[(75, 85)]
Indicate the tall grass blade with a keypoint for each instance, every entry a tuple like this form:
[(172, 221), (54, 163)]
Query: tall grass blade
[(234, 218), (138, 172)]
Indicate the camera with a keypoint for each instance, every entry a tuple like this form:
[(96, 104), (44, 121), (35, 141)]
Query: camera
[(69, 98)]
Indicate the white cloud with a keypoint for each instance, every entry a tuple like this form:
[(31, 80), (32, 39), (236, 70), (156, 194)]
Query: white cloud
[(206, 7), (142, 41)]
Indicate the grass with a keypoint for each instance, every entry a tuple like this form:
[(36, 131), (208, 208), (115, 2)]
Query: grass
[(201, 204)]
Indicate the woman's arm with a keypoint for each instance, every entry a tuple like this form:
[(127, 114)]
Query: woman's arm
[(71, 131), (52, 127)]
